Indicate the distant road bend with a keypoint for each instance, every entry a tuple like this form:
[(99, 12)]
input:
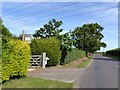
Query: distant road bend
[(103, 73)]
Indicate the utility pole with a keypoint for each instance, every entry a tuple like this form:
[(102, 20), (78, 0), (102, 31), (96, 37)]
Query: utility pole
[(23, 36)]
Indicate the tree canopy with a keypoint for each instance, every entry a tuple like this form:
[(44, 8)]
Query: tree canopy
[(6, 32), (88, 37), (52, 28)]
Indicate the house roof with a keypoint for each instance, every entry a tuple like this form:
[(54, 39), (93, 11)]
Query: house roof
[(27, 35)]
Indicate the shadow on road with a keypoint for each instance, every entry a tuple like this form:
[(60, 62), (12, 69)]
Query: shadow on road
[(108, 59)]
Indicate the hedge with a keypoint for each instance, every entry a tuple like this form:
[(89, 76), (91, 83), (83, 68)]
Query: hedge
[(75, 54), (15, 59), (49, 45), (114, 52)]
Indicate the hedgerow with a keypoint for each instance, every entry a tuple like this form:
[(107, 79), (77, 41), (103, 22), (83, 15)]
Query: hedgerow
[(114, 52), (75, 54), (15, 58), (49, 45)]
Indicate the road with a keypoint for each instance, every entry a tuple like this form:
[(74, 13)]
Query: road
[(103, 73)]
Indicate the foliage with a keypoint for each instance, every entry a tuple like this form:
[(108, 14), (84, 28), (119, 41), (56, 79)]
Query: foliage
[(51, 46), (3, 30), (52, 29), (15, 59), (49, 30), (6, 32), (66, 45), (75, 54), (114, 52), (0, 50), (88, 37), (0, 27)]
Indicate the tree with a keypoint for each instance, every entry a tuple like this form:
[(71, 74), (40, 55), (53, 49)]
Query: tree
[(52, 29), (6, 35), (49, 30), (88, 37), (6, 32), (66, 45)]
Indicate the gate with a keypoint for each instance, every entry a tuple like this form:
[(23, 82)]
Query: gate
[(39, 60), (36, 60)]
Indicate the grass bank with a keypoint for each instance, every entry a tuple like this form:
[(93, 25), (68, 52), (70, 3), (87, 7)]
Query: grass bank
[(85, 63), (28, 82), (80, 63)]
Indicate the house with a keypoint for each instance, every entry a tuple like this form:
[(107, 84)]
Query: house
[(26, 37)]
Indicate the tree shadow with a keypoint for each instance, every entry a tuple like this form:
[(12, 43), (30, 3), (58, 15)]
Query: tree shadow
[(105, 59)]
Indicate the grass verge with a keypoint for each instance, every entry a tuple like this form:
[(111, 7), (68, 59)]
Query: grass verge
[(28, 82), (85, 63), (81, 63)]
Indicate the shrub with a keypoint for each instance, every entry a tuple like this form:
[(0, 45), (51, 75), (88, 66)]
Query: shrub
[(49, 45), (114, 52), (15, 59), (75, 54)]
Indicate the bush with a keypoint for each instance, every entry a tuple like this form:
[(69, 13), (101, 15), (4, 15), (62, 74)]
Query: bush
[(15, 59), (114, 52), (49, 45), (75, 54)]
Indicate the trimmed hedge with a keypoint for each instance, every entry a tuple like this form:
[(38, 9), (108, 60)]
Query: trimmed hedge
[(75, 54), (15, 59), (49, 45), (114, 52)]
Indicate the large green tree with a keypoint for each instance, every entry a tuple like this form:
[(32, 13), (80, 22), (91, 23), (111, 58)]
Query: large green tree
[(88, 37), (52, 29)]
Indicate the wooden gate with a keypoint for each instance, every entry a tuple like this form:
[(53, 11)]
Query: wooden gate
[(39, 60), (36, 60)]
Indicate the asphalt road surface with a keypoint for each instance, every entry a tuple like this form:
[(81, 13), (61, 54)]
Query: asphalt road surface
[(65, 75), (103, 73)]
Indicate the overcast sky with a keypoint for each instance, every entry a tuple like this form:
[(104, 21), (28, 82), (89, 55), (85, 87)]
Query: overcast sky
[(30, 16)]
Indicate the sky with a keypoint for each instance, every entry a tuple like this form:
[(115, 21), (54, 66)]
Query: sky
[(30, 16)]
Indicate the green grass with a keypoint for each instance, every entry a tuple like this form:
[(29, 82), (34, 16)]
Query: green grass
[(78, 63), (85, 63), (28, 82)]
